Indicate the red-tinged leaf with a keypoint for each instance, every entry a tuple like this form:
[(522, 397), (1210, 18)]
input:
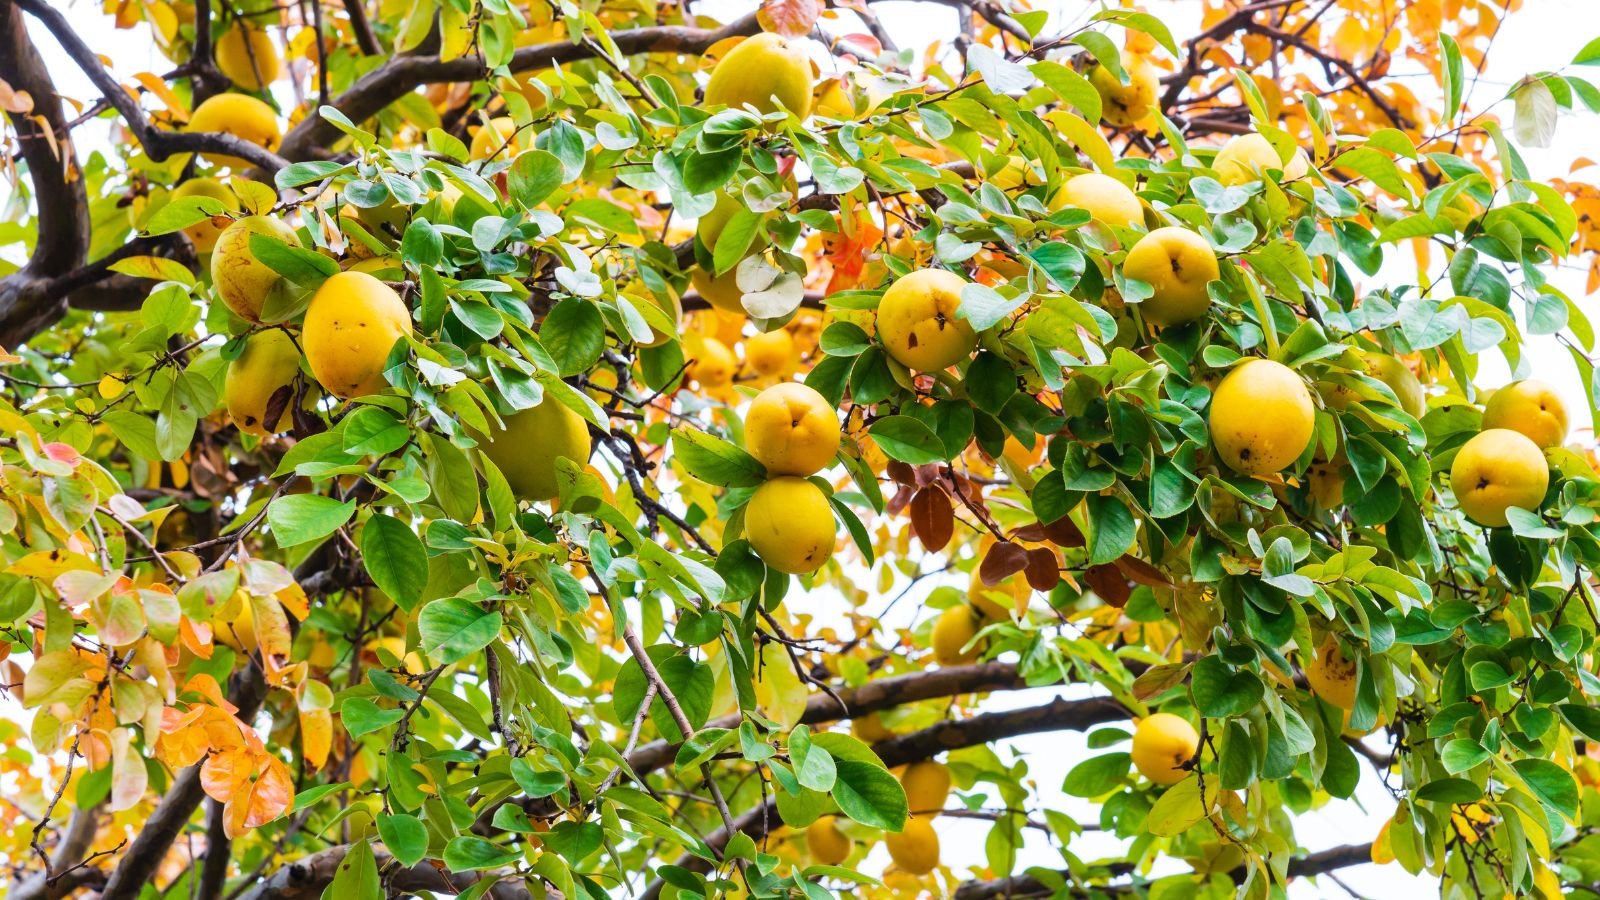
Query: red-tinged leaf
[(865, 43), (1001, 562), (901, 473), (1043, 569), (225, 772), (790, 18), (129, 777), (1142, 572), (62, 452), (1109, 582), (1063, 532), (933, 520)]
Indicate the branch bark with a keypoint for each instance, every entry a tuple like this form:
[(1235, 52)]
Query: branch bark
[(305, 879), (403, 73), (1031, 885), (1057, 715)]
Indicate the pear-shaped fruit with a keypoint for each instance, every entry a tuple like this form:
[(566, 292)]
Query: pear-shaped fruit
[(352, 324), (204, 233), (526, 450), (1332, 675), (916, 847), (927, 787), (243, 282), (765, 71), (1248, 157), (1125, 105), (770, 353), (1163, 745), (792, 430), (262, 379), (1531, 407), (1389, 370), (1105, 198), (828, 845), (247, 56), (952, 632), (714, 365), (243, 117), (917, 321), (1496, 470), (991, 602), (1262, 417), (1178, 264), (790, 524)]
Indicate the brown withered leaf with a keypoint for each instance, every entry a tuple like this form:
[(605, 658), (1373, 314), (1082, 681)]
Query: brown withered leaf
[(902, 473), (1109, 582), (1154, 680), (1043, 569), (1063, 532), (933, 520), (1142, 572), (1001, 562)]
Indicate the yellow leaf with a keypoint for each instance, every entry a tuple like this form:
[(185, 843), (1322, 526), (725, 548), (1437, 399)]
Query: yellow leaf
[(157, 268)]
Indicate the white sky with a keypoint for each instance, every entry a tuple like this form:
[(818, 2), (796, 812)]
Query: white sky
[(1542, 34)]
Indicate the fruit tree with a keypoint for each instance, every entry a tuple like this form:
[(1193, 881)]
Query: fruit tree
[(629, 449)]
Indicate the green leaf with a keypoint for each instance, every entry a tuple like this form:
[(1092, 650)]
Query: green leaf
[(395, 558), (813, 766), (362, 716), (870, 795), (300, 518), (307, 268), (1461, 755), (534, 783), (1179, 808), (1098, 775), (574, 334), (1553, 785), (356, 877), (1112, 528), (715, 461), (453, 629), (984, 307), (405, 836), (907, 440), (533, 177), (1219, 691), (470, 853)]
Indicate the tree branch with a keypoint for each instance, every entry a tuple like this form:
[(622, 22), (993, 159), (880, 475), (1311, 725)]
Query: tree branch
[(1057, 715), (157, 143), (305, 879), (1040, 885), (402, 74)]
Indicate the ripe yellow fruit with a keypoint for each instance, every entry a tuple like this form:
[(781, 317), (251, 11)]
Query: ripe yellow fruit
[(1247, 157), (927, 786), (248, 57), (1262, 417), (792, 430), (268, 364), (1326, 480), (204, 233), (789, 522), (526, 450), (714, 364), (916, 848), (1123, 105), (1332, 675), (487, 140), (764, 71), (721, 291), (954, 629), (1178, 264), (243, 282), (1162, 745), (1389, 370), (917, 321), (771, 353), (1106, 199), (243, 117), (870, 728), (352, 324), (828, 845), (1496, 470), (1531, 407)]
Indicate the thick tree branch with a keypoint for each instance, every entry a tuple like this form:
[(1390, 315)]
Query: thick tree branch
[(305, 879), (881, 694), (1057, 715), (157, 143), (402, 74), (1031, 885)]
